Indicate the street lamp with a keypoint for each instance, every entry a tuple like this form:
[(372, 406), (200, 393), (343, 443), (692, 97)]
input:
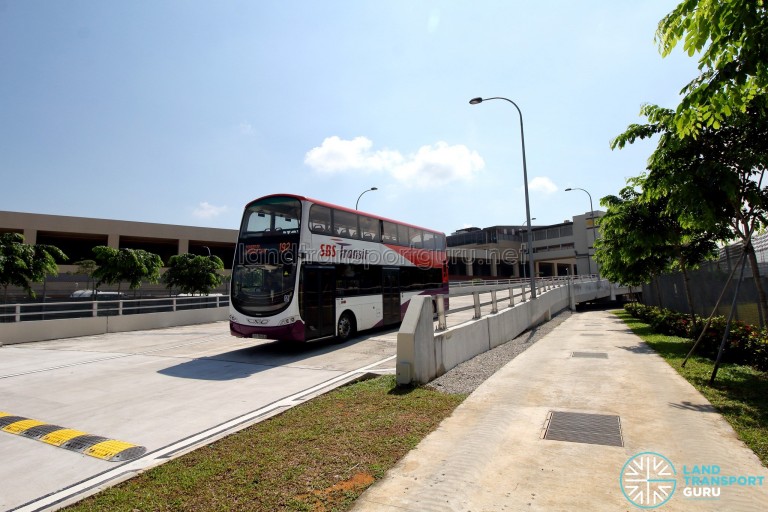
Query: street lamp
[(592, 216), (475, 101), (529, 227), (361, 195)]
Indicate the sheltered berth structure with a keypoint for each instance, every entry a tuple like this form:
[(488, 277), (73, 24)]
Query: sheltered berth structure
[(77, 236)]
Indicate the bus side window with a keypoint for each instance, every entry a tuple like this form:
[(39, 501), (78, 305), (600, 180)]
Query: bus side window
[(345, 224), (370, 229), (320, 219), (389, 232), (403, 238), (429, 241), (415, 238)]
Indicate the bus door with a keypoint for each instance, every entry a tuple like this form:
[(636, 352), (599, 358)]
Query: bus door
[(391, 295), (318, 305)]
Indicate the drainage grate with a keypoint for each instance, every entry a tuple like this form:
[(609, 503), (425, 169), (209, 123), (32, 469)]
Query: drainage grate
[(592, 355), (577, 427)]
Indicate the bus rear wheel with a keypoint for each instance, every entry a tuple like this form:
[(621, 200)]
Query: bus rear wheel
[(345, 329)]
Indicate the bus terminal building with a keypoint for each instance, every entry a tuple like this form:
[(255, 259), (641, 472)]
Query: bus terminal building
[(498, 252), (501, 252), (77, 236)]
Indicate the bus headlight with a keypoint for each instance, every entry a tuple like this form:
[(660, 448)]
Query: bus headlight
[(286, 321)]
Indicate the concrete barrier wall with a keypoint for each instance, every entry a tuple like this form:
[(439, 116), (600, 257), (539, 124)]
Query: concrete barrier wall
[(40, 330), (423, 354), (509, 323), (417, 325), (461, 343), (594, 290)]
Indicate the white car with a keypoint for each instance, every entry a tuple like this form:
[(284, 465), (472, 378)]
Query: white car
[(89, 294)]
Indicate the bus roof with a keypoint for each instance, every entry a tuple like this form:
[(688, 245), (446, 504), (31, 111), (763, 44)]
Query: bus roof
[(344, 208)]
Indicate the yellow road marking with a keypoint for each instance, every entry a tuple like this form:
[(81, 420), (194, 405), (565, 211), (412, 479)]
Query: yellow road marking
[(20, 426), (108, 449), (59, 437), (95, 446)]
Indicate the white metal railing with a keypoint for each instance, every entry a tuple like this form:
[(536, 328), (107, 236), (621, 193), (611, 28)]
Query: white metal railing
[(517, 292), (34, 311), (519, 280)]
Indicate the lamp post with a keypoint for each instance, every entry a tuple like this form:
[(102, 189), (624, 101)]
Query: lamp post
[(529, 227), (475, 101), (361, 195), (592, 216)]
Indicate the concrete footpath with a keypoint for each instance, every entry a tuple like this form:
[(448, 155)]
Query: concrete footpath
[(588, 418)]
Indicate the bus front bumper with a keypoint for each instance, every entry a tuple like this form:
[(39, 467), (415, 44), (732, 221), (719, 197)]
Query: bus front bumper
[(290, 332)]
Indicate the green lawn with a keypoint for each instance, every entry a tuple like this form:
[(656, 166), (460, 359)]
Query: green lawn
[(740, 393), (319, 456)]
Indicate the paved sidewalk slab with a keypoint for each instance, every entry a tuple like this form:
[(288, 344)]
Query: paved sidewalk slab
[(490, 455)]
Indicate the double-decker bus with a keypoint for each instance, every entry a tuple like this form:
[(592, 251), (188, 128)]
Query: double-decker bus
[(306, 269)]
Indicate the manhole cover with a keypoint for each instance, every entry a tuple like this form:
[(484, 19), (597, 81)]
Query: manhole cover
[(591, 355), (576, 427)]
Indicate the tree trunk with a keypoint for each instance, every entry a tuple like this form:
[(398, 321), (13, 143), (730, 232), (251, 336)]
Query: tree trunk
[(688, 294), (762, 301), (657, 288)]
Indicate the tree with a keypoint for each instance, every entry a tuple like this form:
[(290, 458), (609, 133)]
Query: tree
[(87, 267), (713, 183), (190, 273), (22, 264), (729, 36), (131, 265), (627, 251), (641, 240)]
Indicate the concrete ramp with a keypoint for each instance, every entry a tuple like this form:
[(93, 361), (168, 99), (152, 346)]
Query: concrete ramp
[(424, 352)]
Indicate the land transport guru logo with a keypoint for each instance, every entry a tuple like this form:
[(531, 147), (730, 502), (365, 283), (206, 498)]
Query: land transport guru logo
[(649, 480)]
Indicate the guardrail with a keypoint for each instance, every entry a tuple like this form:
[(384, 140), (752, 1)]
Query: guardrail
[(34, 311), (521, 280), (517, 291), (427, 349)]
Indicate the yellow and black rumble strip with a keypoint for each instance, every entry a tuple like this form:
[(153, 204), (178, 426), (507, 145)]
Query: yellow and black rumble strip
[(70, 439)]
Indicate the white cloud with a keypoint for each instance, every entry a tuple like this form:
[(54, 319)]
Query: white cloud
[(542, 184), (206, 210), (437, 164), (337, 155)]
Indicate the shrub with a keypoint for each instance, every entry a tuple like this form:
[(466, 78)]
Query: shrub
[(746, 345)]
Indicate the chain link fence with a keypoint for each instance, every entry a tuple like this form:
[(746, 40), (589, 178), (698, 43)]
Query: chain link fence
[(707, 284)]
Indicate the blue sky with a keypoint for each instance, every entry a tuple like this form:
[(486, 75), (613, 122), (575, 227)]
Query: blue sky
[(181, 112)]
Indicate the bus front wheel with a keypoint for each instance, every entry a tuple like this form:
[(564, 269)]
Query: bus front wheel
[(346, 327)]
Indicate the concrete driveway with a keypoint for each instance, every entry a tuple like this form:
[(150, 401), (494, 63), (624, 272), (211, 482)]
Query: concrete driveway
[(166, 391)]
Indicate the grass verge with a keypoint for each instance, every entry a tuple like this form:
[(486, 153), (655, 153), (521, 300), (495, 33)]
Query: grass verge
[(319, 456), (739, 393)]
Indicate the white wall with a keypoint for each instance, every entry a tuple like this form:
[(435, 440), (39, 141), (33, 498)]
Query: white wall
[(23, 332)]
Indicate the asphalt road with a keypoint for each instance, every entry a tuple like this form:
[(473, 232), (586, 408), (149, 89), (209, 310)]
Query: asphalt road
[(167, 391)]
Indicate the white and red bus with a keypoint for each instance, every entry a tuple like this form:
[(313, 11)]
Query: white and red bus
[(305, 269)]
